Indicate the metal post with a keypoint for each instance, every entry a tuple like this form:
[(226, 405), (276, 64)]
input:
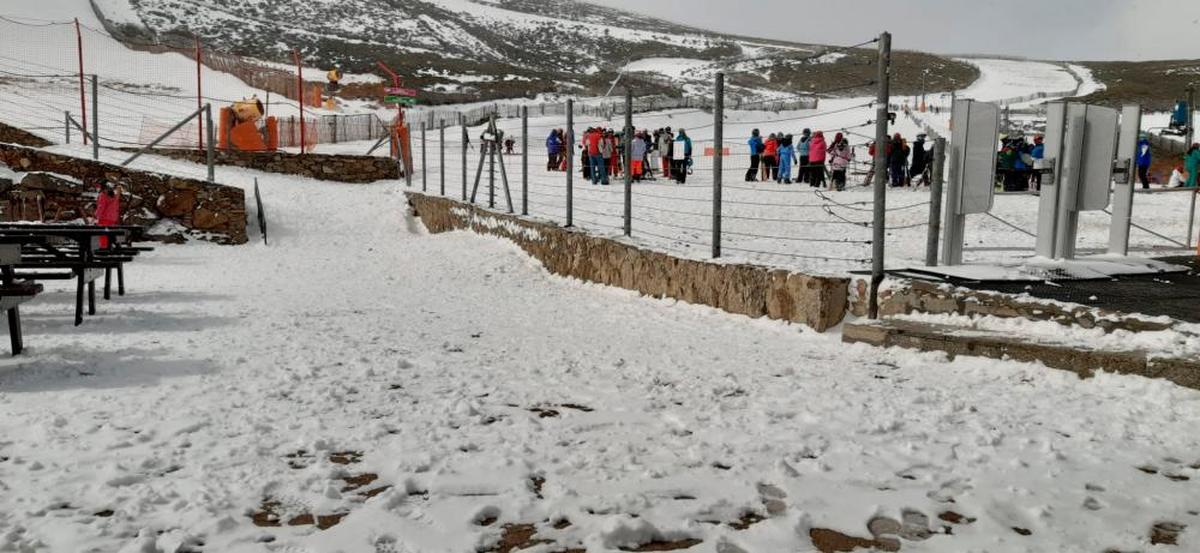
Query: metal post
[(424, 161), (627, 161), (524, 160), (442, 157), (491, 155), (95, 118), (935, 202), (462, 121), (199, 95), (210, 147), (881, 134), (82, 98), (570, 146), (718, 160), (1191, 136), (67, 123)]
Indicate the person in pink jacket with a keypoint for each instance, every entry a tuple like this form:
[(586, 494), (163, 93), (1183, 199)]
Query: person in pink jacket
[(108, 207), (817, 151)]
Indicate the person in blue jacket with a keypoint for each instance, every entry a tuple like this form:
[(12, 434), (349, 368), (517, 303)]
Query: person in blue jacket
[(1038, 153), (554, 144), (787, 154), (802, 152), (756, 148), (681, 157), (1144, 158)]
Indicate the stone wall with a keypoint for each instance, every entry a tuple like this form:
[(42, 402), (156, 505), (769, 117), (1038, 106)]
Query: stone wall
[(927, 297), (13, 135), (213, 212), (819, 302), (341, 168)]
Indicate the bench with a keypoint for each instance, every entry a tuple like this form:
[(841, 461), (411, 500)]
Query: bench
[(13, 293), (63, 252)]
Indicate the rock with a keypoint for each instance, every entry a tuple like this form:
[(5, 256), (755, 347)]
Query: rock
[(177, 203), (206, 219)]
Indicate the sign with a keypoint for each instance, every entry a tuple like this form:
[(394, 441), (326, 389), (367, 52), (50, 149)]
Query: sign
[(403, 100), (397, 91), (709, 151), (974, 154)]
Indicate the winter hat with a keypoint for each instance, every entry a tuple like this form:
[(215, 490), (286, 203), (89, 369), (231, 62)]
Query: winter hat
[(838, 137), (820, 134), (806, 132), (754, 132), (896, 137)]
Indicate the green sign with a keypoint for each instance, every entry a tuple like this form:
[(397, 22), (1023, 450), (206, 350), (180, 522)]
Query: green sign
[(405, 100)]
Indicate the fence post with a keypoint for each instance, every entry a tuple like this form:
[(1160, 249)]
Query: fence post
[(442, 156), (333, 128), (1191, 135), (462, 120), (491, 154), (570, 162), (424, 161), (405, 152), (211, 134), (524, 160), (300, 95), (935, 202), (82, 95), (881, 132), (95, 117), (718, 160), (67, 128), (628, 162), (199, 96)]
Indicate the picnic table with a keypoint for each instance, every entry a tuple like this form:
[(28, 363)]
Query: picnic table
[(13, 292), (64, 252)]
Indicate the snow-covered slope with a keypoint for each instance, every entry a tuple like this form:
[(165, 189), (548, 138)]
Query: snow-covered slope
[(463, 49)]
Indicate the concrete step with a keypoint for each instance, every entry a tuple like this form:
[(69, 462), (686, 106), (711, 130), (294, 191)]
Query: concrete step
[(1083, 361)]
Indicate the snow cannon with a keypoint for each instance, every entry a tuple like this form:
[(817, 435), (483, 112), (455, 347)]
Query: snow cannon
[(242, 127), (332, 86)]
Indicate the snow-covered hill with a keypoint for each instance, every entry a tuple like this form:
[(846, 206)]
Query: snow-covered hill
[(469, 49)]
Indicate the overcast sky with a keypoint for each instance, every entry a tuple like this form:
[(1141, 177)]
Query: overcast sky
[(1051, 29)]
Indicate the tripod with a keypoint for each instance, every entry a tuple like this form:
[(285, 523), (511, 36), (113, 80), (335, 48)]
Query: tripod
[(489, 151)]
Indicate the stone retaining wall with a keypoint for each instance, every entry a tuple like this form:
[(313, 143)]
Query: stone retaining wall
[(207, 211), (13, 135), (341, 168), (927, 297), (819, 302)]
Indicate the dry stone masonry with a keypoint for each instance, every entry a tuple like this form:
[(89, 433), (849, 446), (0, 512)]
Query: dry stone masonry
[(54, 190), (340, 168), (819, 302)]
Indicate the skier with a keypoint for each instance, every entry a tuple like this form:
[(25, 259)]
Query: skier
[(770, 158), (637, 154), (665, 141), (1144, 157), (1178, 178), (840, 156), (1191, 162), (802, 152), (681, 157), (787, 156), (108, 206), (817, 149), (756, 149), (585, 154), (1037, 153), (604, 160), (897, 157), (918, 161), (595, 151), (553, 149)]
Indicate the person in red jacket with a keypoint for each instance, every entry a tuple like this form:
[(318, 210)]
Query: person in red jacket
[(108, 206), (770, 158)]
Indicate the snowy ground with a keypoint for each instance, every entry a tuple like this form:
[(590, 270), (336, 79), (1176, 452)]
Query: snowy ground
[(174, 414)]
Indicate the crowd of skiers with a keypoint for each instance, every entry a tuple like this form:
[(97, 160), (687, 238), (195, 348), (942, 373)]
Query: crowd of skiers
[(602, 151), (772, 158)]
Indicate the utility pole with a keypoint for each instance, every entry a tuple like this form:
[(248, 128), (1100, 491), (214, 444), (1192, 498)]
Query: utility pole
[(881, 142), (628, 161)]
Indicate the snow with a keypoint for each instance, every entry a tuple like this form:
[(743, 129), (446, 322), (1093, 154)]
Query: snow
[(1002, 78), (176, 407), (675, 68)]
